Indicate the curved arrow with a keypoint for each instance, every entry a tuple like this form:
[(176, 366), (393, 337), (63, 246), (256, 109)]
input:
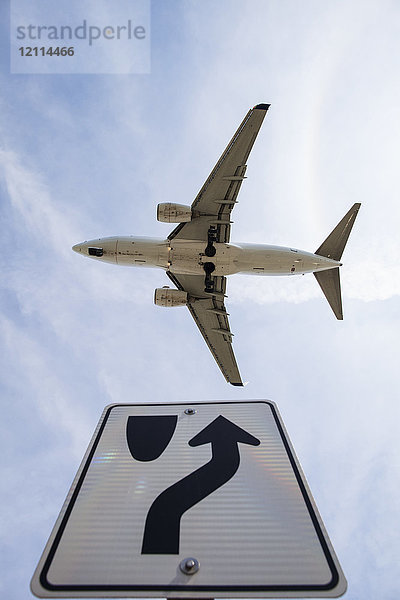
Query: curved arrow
[(162, 528)]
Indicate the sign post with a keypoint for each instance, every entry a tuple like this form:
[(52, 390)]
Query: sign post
[(194, 500)]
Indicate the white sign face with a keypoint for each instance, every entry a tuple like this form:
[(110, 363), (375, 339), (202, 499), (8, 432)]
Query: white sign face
[(202, 500)]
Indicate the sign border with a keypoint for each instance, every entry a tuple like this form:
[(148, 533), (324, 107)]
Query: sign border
[(187, 588)]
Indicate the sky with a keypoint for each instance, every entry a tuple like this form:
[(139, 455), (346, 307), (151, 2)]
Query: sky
[(91, 155)]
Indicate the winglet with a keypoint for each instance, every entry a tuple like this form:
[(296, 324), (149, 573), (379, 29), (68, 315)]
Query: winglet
[(262, 106)]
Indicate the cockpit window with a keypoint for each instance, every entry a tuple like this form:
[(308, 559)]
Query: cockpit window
[(95, 251)]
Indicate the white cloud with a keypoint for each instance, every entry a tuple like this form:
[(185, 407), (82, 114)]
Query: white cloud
[(30, 198), (32, 364)]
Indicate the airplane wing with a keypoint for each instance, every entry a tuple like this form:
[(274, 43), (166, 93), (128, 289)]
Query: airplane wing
[(208, 311), (213, 205)]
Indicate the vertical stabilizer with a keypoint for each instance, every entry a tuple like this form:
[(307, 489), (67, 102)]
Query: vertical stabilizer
[(334, 244)]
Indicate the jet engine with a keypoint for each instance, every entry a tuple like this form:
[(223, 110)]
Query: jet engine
[(167, 297), (167, 212)]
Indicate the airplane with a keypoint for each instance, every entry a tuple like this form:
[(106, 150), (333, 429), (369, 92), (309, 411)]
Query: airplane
[(198, 255)]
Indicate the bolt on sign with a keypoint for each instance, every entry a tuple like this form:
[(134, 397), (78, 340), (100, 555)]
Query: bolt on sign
[(194, 500)]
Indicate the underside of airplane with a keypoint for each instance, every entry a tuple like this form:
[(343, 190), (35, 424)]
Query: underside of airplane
[(198, 255)]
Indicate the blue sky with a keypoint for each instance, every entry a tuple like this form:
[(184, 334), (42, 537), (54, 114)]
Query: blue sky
[(84, 156)]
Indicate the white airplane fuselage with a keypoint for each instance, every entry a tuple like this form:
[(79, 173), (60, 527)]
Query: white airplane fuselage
[(187, 257), (197, 255)]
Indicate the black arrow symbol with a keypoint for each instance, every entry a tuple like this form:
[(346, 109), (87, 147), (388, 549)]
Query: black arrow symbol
[(162, 528)]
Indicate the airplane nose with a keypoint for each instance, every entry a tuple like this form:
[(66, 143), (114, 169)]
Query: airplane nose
[(81, 248)]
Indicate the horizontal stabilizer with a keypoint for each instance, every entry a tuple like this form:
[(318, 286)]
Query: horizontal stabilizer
[(334, 244), (329, 281)]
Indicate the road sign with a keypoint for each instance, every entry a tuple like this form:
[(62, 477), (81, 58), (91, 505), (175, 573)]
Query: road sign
[(194, 500)]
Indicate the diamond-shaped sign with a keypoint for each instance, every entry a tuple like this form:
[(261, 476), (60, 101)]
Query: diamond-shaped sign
[(189, 500)]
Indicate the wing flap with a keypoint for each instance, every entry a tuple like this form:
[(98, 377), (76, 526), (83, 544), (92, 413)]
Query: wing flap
[(210, 316), (217, 197)]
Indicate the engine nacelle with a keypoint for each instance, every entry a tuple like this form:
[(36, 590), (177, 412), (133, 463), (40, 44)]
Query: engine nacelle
[(167, 297), (167, 212)]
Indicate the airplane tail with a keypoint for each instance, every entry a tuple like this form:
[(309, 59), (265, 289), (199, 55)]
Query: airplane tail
[(330, 284), (333, 247)]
